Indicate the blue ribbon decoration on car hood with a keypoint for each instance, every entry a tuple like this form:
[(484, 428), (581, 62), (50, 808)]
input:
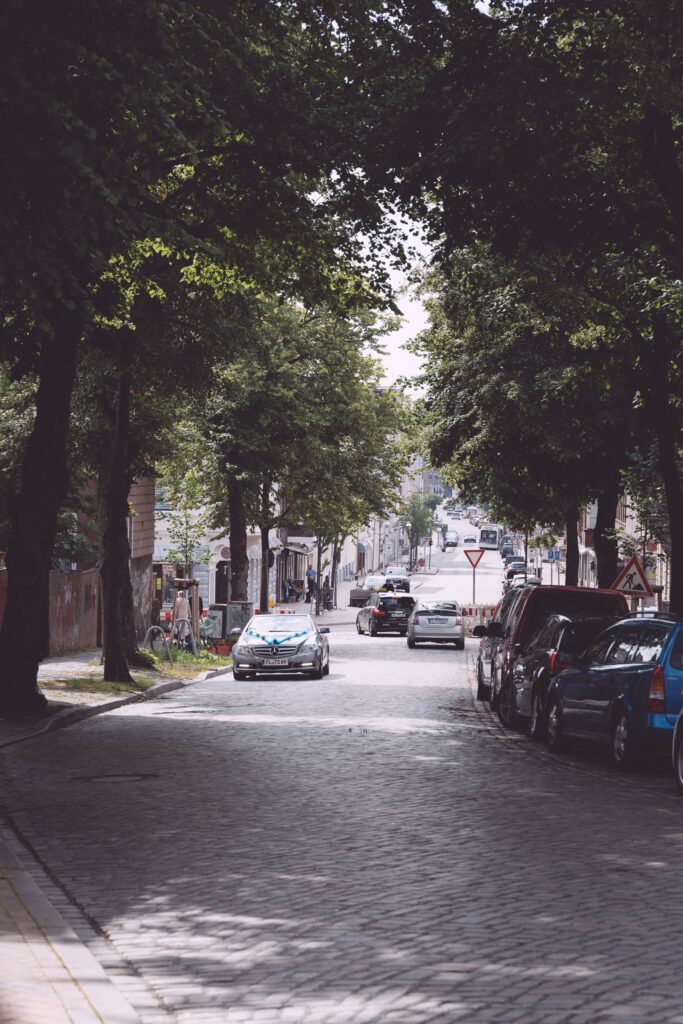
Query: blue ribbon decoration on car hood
[(273, 641)]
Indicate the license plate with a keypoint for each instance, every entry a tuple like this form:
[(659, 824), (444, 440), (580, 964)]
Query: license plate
[(275, 662), (397, 615), (437, 622)]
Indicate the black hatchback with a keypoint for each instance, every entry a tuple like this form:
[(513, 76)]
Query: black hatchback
[(385, 613), (555, 645)]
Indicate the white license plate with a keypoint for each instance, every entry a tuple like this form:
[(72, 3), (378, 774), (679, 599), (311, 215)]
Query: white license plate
[(437, 622), (397, 615), (275, 662)]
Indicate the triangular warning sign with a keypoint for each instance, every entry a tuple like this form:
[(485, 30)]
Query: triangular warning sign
[(474, 556), (632, 580)]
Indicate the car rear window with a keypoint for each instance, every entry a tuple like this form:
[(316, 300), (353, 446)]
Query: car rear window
[(396, 602), (441, 606), (626, 641), (651, 642)]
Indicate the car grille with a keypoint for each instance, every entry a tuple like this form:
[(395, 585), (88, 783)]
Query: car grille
[(277, 651)]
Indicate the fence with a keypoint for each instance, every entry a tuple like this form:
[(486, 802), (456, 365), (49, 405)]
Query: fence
[(73, 608), (477, 615)]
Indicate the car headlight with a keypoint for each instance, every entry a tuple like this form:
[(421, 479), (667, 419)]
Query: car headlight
[(308, 645), (240, 649)]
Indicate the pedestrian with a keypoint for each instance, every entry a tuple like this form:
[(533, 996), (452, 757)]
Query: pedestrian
[(327, 594), (310, 584), (181, 611)]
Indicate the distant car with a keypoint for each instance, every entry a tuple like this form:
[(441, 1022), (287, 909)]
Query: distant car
[(370, 584), (506, 550), (437, 621), (557, 641), (385, 613), (513, 558), (401, 570), (449, 543), (470, 538), (276, 644), (626, 690), (522, 579)]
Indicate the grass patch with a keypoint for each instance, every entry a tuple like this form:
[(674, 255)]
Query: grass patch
[(94, 684), (185, 665)]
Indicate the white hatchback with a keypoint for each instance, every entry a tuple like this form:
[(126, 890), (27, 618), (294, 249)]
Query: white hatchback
[(438, 621)]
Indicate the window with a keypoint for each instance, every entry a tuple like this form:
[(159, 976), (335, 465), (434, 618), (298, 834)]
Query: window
[(651, 643), (597, 652), (676, 659), (626, 642), (544, 638)]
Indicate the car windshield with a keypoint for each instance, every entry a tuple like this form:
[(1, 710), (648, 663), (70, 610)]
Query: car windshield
[(280, 624), (374, 581)]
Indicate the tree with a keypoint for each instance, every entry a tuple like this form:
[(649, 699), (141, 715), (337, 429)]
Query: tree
[(417, 519)]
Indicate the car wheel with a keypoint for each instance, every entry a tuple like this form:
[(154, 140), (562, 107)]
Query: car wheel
[(678, 759), (403, 632), (482, 688), (326, 670), (554, 733), (373, 630), (239, 676), (536, 722), (358, 627), (317, 673), (622, 747), (493, 696), (411, 643), (507, 710), (460, 645)]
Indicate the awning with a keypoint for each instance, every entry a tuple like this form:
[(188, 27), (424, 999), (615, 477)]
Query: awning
[(299, 549)]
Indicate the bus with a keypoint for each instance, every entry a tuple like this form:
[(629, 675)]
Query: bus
[(489, 536)]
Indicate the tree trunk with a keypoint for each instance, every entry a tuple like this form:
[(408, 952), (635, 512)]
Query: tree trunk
[(239, 562), (571, 576), (265, 551), (607, 548), (336, 555), (115, 548), (319, 544), (24, 637), (668, 442)]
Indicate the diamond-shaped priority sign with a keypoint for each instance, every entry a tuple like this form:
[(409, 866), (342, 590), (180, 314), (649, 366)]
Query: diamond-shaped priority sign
[(473, 556), (632, 580)]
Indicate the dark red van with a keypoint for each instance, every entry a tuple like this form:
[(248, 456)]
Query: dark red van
[(506, 636)]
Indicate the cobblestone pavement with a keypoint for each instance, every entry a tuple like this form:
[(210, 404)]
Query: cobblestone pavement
[(369, 848)]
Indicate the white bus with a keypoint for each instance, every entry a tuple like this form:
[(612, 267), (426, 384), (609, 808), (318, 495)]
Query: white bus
[(489, 536)]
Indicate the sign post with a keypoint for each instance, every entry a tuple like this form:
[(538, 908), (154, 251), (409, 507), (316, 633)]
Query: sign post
[(474, 557)]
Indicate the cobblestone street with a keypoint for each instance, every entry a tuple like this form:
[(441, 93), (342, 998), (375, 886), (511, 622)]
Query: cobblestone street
[(369, 848)]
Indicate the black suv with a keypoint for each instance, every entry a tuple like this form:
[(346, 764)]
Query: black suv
[(385, 613)]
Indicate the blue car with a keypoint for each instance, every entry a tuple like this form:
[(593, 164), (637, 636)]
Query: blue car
[(625, 690)]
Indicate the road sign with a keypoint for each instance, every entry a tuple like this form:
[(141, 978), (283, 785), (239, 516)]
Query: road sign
[(474, 556), (632, 580)]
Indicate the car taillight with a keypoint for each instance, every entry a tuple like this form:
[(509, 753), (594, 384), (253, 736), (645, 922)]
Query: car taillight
[(655, 698), (458, 620), (377, 613)]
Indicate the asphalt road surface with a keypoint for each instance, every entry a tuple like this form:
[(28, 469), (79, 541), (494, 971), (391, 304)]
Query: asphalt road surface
[(367, 848)]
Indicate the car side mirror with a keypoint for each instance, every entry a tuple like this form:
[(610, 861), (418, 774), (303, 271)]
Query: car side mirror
[(323, 629), (495, 629), (480, 631), (235, 633)]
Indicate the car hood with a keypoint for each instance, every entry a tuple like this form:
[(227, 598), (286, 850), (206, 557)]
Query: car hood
[(275, 638)]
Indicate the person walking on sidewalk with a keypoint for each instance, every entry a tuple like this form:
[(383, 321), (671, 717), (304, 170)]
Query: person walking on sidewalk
[(310, 584)]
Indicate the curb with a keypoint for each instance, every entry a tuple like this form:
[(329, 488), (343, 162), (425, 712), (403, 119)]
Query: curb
[(78, 714), (85, 972)]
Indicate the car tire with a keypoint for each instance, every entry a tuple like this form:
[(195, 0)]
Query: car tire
[(326, 670), (460, 645), (554, 733), (482, 688), (493, 696), (373, 630), (506, 708), (622, 746), (359, 628), (238, 676), (537, 720), (403, 632), (411, 643), (678, 759), (317, 673)]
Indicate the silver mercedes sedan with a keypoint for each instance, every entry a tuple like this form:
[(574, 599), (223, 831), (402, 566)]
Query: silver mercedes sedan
[(274, 644)]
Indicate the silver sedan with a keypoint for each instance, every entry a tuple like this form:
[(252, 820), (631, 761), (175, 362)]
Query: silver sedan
[(439, 622), (281, 643)]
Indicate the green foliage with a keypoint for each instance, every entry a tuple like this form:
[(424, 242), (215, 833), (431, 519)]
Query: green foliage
[(417, 520), (187, 525)]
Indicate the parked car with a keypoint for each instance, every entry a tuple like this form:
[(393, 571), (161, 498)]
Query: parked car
[(506, 550), (276, 644), (524, 579), (370, 585), (519, 614), (514, 559), (624, 691), (437, 621), (551, 649), (385, 613), (677, 746), (470, 538)]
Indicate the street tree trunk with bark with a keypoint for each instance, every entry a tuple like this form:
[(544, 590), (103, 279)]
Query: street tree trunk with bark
[(604, 541), (239, 562), (571, 576), (24, 636), (264, 526)]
